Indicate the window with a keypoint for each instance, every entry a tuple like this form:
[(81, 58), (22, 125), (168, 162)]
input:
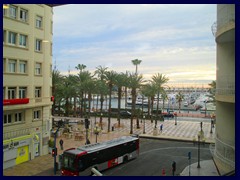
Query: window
[(7, 119), (4, 92), (22, 92), (22, 66), (39, 22), (12, 66), (37, 115), (4, 36), (38, 45), (11, 93), (22, 40), (12, 37), (37, 92), (4, 12), (18, 117), (23, 15), (15, 117), (38, 69), (13, 12), (4, 65)]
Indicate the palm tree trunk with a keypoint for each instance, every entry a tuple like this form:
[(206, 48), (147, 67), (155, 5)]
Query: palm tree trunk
[(101, 109), (157, 109), (125, 96), (119, 104), (75, 108), (133, 109), (109, 107)]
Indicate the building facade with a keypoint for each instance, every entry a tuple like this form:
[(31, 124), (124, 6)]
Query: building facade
[(27, 81), (224, 153)]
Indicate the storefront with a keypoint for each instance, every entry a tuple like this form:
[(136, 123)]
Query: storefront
[(19, 150)]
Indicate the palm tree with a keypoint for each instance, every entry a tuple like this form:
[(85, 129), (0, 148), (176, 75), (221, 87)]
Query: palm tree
[(80, 67), (212, 91), (135, 82), (126, 84), (179, 98), (136, 62), (149, 90), (119, 82), (57, 90), (110, 77), (159, 80), (164, 98), (100, 72)]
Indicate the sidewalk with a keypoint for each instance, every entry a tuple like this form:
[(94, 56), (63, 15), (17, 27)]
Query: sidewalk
[(183, 131)]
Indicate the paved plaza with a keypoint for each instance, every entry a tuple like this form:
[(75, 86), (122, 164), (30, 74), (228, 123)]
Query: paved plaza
[(183, 131)]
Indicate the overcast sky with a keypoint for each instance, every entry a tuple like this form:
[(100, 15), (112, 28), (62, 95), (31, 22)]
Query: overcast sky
[(174, 40)]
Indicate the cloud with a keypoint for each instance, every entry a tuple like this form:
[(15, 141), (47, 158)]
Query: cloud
[(166, 38)]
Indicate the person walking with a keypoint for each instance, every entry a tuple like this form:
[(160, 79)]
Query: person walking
[(61, 144), (161, 127)]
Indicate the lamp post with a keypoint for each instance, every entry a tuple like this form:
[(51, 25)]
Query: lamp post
[(198, 166), (176, 119), (101, 115), (144, 125), (211, 124), (96, 131)]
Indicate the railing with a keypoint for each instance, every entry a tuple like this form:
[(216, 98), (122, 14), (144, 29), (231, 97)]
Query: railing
[(225, 152), (224, 18), (16, 133), (225, 85)]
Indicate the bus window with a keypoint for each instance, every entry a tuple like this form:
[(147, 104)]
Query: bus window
[(68, 162)]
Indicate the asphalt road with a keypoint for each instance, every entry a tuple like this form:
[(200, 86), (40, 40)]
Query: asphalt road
[(156, 155)]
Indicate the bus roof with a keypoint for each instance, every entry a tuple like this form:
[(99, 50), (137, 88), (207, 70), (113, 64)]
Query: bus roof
[(97, 146)]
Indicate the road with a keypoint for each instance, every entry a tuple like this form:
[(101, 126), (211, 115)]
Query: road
[(156, 155)]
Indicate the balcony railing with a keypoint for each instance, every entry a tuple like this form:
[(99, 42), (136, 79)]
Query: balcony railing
[(225, 152), (226, 18), (225, 85), (16, 133)]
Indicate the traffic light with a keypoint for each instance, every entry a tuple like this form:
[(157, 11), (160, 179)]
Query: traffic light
[(54, 152), (189, 155)]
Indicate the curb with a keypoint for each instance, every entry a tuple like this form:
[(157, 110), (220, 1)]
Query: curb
[(170, 138)]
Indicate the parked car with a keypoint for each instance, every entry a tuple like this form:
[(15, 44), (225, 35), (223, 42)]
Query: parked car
[(125, 114)]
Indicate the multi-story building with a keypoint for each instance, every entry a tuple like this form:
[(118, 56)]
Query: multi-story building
[(27, 81), (224, 153)]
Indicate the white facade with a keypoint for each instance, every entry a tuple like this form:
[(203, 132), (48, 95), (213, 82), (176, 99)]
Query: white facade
[(224, 154), (27, 81)]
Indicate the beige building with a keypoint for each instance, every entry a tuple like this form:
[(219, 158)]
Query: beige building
[(27, 81), (224, 153)]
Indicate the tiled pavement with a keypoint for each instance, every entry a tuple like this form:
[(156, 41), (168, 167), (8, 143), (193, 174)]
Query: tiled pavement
[(184, 130)]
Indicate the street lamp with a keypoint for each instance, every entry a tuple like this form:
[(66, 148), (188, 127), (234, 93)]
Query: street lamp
[(101, 115), (144, 125), (96, 131), (211, 124), (198, 166), (176, 119)]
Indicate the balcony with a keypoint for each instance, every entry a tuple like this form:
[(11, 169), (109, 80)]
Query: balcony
[(225, 90), (224, 29)]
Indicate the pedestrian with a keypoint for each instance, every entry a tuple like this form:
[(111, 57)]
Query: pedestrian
[(61, 144), (161, 127)]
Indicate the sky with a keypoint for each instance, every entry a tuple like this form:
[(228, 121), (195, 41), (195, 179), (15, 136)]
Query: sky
[(173, 40)]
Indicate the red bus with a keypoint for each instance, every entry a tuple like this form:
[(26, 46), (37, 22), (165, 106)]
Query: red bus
[(79, 161)]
